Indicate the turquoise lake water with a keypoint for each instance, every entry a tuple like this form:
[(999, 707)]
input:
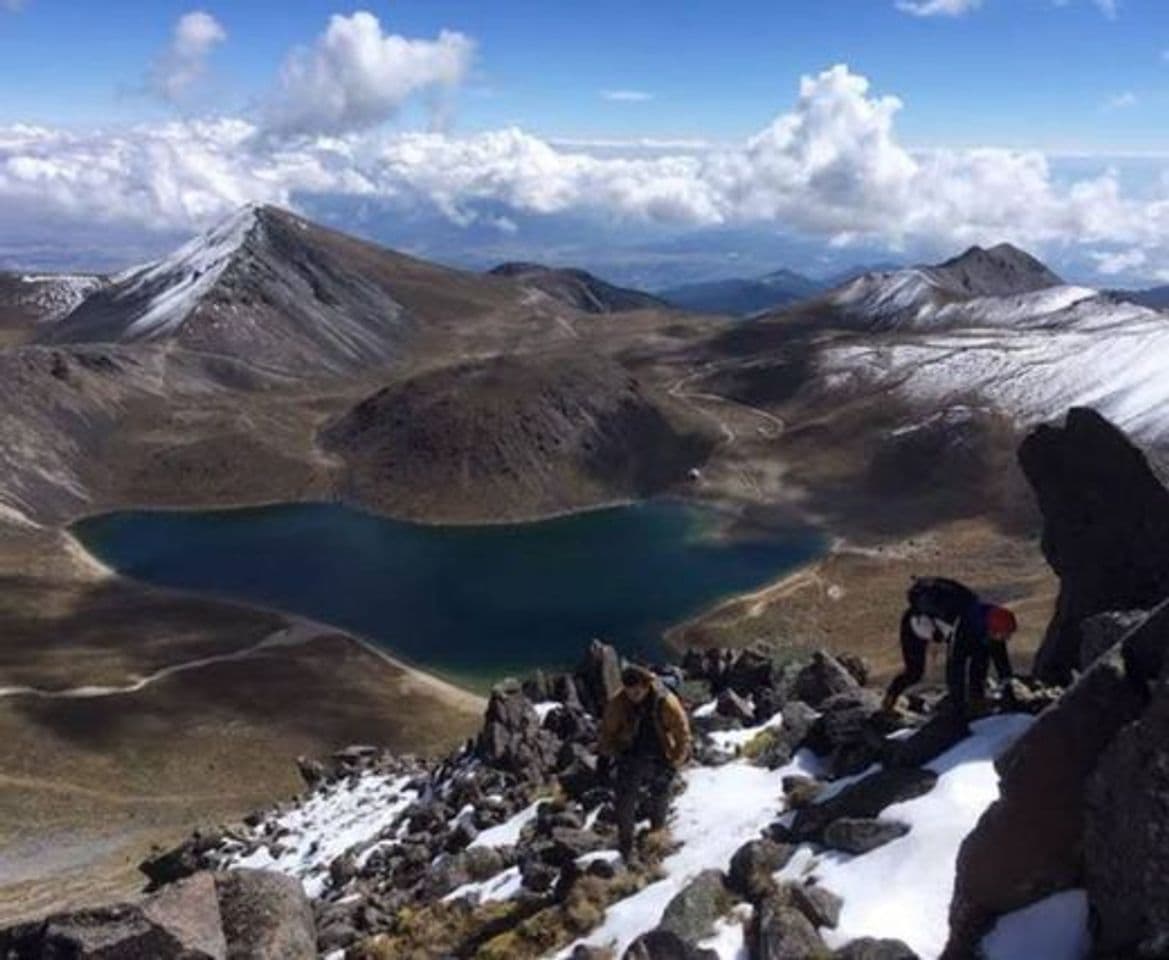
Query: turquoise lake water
[(470, 602)]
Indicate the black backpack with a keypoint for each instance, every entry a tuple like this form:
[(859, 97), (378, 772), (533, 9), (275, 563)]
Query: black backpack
[(940, 598)]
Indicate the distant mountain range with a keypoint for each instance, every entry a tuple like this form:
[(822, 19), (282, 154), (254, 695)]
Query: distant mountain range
[(743, 296)]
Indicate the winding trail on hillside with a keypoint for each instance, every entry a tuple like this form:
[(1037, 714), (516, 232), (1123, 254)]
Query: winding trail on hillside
[(775, 425), (295, 635)]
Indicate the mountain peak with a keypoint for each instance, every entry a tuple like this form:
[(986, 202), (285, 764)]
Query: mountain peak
[(1001, 270)]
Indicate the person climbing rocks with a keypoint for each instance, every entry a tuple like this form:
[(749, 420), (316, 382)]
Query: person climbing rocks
[(934, 604), (980, 638), (940, 609), (645, 734)]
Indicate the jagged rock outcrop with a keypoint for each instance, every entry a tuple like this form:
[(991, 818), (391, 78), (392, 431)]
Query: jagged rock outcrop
[(1084, 794), (1105, 529), (241, 915)]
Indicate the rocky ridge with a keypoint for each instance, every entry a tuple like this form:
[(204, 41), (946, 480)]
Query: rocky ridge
[(810, 825)]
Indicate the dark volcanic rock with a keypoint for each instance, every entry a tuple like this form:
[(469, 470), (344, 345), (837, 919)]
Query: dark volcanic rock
[(824, 677), (735, 707), (266, 916), (822, 907), (867, 948), (1105, 532), (864, 799), (664, 945), (781, 932), (1029, 843), (1126, 838), (598, 677), (939, 734), (752, 867), (512, 738), (101, 934), (860, 835), (693, 911)]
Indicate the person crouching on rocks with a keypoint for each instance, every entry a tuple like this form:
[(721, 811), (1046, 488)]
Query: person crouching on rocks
[(980, 638), (646, 734)]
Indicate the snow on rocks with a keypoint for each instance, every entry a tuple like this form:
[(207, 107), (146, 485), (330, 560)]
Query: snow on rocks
[(721, 809), (902, 889), (1055, 928), (335, 819)]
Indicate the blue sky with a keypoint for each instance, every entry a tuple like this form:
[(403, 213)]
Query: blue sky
[(1012, 73), (849, 129)]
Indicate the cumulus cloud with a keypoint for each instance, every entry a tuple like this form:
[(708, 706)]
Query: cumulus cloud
[(938, 8), (626, 96), (356, 76), (183, 64), (832, 166)]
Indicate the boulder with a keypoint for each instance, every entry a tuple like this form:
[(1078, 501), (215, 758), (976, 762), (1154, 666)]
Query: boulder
[(189, 909), (750, 672), (1105, 529), (694, 910), (752, 867), (780, 932), (868, 948), (266, 916), (664, 945), (735, 707), (939, 734), (865, 798), (1029, 843), (598, 677), (512, 739), (101, 934), (858, 835), (824, 677), (822, 907), (1126, 838), (800, 791)]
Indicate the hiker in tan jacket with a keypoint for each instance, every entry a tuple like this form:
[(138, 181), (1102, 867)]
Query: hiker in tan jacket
[(645, 730)]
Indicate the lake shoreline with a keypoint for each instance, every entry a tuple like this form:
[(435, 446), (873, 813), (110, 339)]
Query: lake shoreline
[(737, 531)]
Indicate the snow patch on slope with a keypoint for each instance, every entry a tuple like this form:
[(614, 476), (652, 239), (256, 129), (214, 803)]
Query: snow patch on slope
[(55, 295), (176, 283), (1055, 928), (903, 889), (332, 820)]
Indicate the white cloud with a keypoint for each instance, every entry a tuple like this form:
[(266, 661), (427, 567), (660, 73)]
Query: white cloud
[(626, 96), (938, 8), (1110, 8), (184, 62), (1122, 101), (832, 166), (356, 76), (1111, 263)]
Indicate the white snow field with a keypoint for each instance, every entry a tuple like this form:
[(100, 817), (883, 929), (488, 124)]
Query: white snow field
[(1032, 355)]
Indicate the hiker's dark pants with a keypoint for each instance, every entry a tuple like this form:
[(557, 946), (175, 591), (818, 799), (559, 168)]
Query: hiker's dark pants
[(913, 650), (635, 773), (969, 664)]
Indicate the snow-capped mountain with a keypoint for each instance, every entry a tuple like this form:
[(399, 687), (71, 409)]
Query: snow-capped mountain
[(996, 286), (273, 289)]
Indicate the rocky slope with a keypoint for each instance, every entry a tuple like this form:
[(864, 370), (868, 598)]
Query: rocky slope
[(536, 433), (29, 300), (809, 825), (578, 289)]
